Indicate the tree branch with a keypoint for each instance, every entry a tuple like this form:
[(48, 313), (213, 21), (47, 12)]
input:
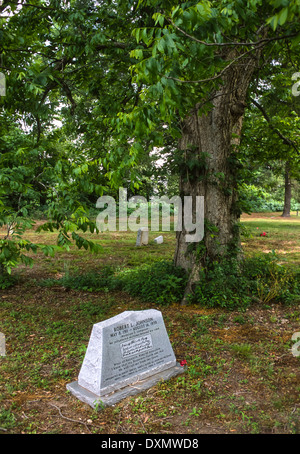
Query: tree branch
[(258, 44), (112, 45), (217, 76), (232, 43), (285, 139)]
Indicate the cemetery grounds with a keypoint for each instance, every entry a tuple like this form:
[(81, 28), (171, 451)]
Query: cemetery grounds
[(241, 376)]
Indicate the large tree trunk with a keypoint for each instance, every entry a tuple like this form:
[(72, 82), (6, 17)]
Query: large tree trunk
[(287, 191), (212, 140)]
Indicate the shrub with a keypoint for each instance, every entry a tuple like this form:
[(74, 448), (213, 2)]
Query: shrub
[(256, 199), (160, 283), (232, 284), (229, 283), (6, 281), (222, 284), (89, 282)]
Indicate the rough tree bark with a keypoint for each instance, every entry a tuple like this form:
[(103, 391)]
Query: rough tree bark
[(212, 139), (287, 191)]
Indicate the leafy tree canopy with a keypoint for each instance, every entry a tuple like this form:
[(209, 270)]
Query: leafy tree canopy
[(119, 77)]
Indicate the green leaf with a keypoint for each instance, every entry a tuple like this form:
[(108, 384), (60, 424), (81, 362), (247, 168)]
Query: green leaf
[(283, 15), (273, 21), (159, 18)]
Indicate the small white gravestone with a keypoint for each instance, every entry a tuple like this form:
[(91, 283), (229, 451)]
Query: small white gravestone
[(142, 236), (2, 345), (159, 239), (126, 354)]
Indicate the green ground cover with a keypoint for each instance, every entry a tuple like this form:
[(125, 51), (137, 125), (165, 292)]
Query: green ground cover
[(241, 376)]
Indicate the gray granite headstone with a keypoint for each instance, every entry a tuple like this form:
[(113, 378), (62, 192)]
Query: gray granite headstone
[(126, 354), (2, 345), (142, 236)]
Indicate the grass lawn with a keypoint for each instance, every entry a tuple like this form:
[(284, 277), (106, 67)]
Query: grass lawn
[(241, 374)]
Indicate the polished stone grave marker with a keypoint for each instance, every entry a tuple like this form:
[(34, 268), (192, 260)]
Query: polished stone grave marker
[(126, 354)]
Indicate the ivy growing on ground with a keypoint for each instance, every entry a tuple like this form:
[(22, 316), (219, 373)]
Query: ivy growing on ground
[(229, 283)]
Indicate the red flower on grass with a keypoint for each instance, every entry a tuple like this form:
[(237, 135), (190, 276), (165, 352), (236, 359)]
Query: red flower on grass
[(263, 234), (183, 362)]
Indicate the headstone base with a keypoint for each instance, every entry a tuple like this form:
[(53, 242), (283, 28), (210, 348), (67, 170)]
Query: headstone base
[(111, 399)]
